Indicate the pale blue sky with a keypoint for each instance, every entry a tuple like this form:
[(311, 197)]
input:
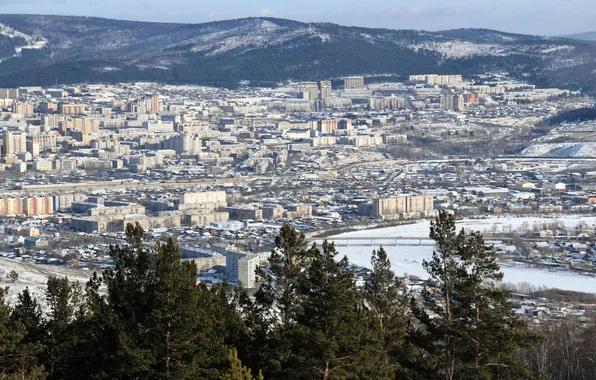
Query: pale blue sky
[(546, 17)]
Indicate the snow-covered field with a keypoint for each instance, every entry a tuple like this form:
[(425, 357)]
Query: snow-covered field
[(587, 149), (488, 225), (34, 277), (408, 259)]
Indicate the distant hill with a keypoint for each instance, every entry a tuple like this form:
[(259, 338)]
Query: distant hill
[(587, 36), (39, 50)]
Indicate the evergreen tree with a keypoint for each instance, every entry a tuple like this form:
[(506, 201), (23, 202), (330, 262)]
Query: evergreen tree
[(64, 302), (236, 316), (120, 318), (27, 311), (334, 340), (237, 371), (155, 322), (277, 293), (18, 358), (493, 334), (27, 314), (467, 330), (276, 305), (387, 307), (183, 323), (10, 337)]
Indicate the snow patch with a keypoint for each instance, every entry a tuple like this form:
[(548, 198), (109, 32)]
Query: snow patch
[(408, 259), (106, 69), (31, 41), (462, 49), (561, 150)]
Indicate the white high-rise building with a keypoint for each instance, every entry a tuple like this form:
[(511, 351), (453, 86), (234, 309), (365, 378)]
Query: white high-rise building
[(14, 142), (183, 143), (241, 267), (326, 89), (353, 82)]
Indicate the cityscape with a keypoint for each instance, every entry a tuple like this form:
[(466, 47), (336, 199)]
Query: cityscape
[(91, 171), (223, 170)]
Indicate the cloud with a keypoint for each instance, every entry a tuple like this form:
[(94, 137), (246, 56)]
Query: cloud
[(407, 11), (265, 12)]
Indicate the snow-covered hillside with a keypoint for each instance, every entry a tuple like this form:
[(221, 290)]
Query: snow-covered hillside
[(19, 41), (587, 149), (266, 50), (35, 277)]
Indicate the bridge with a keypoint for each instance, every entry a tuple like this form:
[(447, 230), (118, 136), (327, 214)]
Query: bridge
[(376, 241)]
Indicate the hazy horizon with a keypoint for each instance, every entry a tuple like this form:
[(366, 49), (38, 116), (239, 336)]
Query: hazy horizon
[(550, 19)]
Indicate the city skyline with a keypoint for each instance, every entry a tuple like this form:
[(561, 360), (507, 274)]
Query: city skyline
[(551, 19)]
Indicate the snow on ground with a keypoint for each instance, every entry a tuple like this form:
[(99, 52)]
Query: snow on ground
[(587, 149), (461, 49), (408, 259), (488, 225), (35, 276)]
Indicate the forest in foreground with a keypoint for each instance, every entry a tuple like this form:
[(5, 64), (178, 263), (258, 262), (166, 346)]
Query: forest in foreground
[(148, 318)]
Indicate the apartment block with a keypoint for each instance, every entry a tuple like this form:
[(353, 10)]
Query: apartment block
[(22, 108), (299, 211), (273, 212), (71, 109), (245, 212), (38, 206), (353, 82), (241, 267), (204, 197), (384, 207), (14, 142), (204, 220), (28, 206), (9, 93)]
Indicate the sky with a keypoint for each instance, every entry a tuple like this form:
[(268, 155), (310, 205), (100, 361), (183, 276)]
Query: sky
[(544, 17)]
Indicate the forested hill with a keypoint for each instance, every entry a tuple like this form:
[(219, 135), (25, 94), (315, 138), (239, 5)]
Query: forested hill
[(39, 50)]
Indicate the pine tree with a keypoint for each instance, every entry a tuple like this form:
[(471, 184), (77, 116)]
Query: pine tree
[(278, 291), (236, 317), (387, 307), (237, 371), (438, 337), (277, 304), (334, 339), (27, 311), (64, 302), (18, 358), (27, 314), (155, 322), (466, 327), (493, 333), (120, 318), (182, 326), (10, 337)]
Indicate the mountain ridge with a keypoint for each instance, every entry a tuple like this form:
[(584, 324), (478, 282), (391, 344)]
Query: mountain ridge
[(42, 49), (585, 36)]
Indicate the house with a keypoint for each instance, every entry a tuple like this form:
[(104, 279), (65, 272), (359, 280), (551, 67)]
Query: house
[(35, 243)]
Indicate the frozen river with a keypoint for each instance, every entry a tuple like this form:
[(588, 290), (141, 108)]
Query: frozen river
[(408, 259)]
